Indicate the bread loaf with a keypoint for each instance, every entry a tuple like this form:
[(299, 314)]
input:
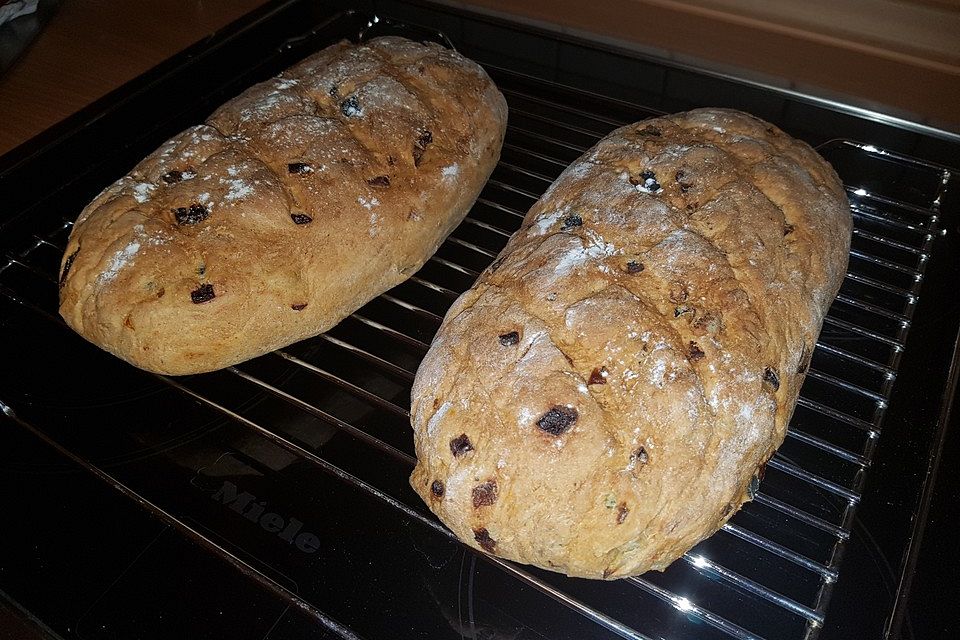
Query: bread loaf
[(292, 206), (607, 393)]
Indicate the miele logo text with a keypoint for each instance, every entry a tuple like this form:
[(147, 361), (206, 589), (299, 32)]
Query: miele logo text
[(247, 505)]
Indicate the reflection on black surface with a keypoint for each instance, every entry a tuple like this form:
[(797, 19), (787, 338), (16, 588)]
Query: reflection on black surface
[(297, 462)]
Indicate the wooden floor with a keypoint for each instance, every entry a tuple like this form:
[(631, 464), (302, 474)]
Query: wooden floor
[(903, 61), (90, 47)]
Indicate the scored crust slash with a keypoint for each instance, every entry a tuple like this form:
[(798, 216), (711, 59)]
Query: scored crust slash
[(607, 393), (293, 205)]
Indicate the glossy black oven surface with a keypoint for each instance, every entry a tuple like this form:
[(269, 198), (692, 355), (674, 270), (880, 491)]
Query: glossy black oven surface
[(270, 500)]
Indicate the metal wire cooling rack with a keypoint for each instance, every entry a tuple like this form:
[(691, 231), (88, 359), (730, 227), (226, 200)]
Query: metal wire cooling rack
[(767, 574)]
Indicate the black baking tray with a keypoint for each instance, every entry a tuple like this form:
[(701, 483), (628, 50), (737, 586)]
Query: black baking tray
[(135, 504)]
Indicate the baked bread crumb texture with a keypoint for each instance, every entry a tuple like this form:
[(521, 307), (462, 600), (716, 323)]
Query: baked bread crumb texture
[(608, 392), (289, 208)]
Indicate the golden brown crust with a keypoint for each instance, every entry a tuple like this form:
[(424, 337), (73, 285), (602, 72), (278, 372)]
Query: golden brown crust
[(293, 205), (633, 357)]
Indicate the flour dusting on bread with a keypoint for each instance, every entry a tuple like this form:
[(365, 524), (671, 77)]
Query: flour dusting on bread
[(634, 352), (292, 205)]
